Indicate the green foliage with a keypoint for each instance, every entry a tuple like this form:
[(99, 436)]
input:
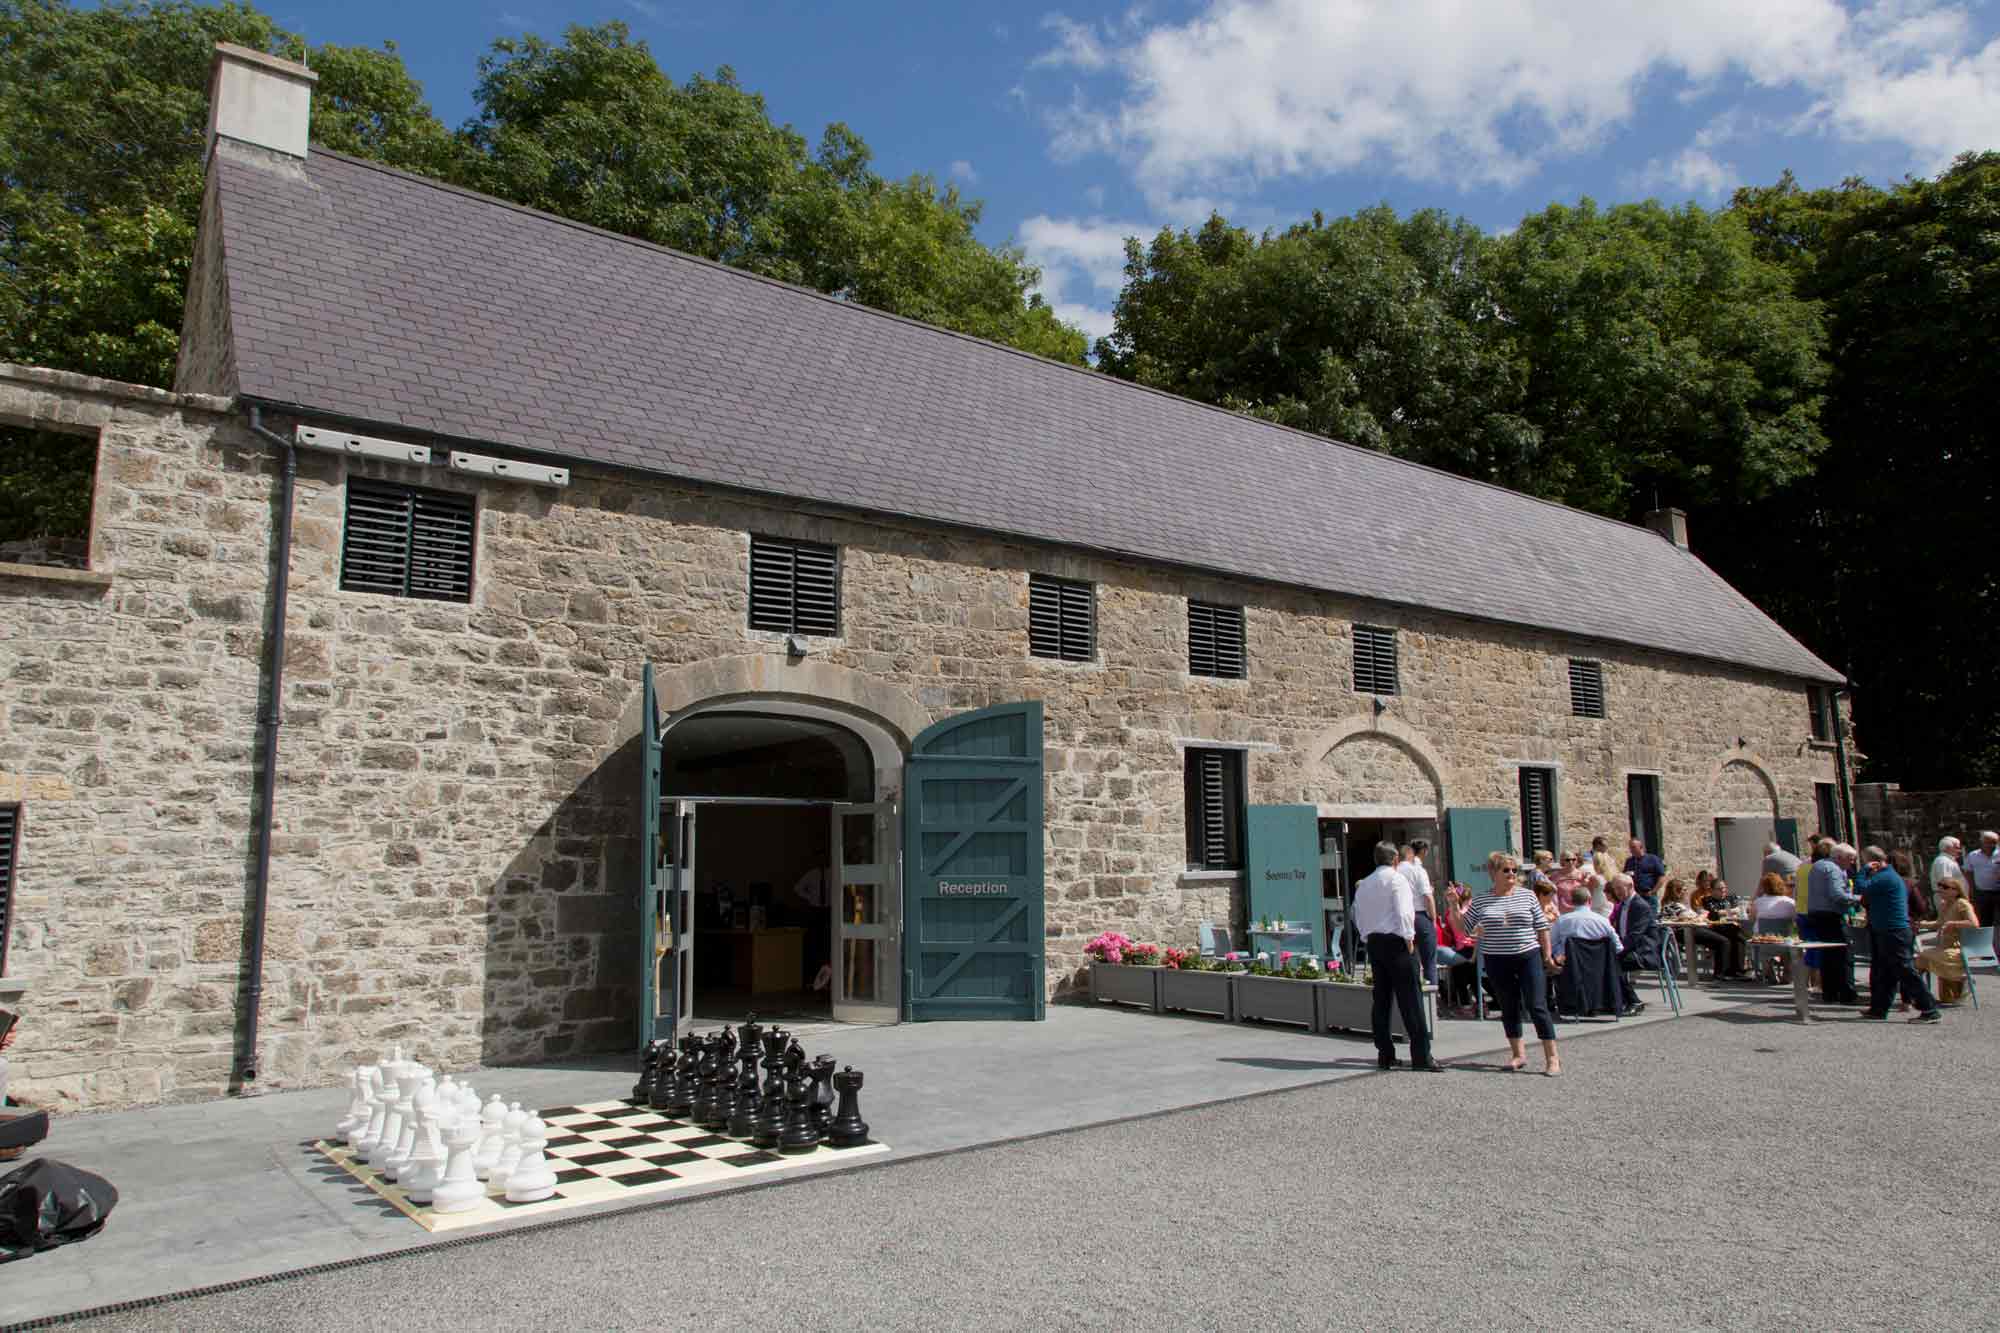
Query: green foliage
[(45, 484)]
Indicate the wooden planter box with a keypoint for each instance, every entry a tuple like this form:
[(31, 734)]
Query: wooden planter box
[(1274, 999), (1342, 1007), (1198, 992), (1121, 983)]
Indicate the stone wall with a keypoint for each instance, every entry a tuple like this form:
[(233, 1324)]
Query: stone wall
[(454, 863), (1915, 820)]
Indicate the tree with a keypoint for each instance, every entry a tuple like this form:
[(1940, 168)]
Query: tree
[(1667, 360), (1370, 329)]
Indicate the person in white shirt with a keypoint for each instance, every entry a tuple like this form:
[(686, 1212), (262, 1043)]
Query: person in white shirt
[(1982, 872), (1579, 922), (1385, 917), (1423, 898), (1946, 865)]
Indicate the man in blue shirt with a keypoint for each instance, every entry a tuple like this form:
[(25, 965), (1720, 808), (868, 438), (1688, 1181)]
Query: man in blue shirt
[(1646, 869), (1888, 902), (1827, 901)]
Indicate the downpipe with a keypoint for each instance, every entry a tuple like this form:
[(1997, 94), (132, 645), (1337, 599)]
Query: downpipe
[(271, 720)]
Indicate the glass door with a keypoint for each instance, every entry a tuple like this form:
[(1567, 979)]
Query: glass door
[(866, 913), (1334, 886)]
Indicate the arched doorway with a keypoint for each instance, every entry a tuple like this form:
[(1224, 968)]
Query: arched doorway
[(783, 861)]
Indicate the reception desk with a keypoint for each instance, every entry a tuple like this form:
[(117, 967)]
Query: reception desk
[(763, 962)]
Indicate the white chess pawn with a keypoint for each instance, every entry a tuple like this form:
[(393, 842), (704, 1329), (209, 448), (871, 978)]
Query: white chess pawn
[(532, 1179), (343, 1131), (447, 1092), (510, 1151), (426, 1165), (460, 1189), (492, 1137)]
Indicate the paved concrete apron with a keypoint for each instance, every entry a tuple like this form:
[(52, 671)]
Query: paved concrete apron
[(223, 1191)]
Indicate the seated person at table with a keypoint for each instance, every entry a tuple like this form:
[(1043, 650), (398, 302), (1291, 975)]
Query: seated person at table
[(1944, 959), (1725, 950), (1457, 969), (1775, 904), (1637, 922), (1580, 923), (1720, 905)]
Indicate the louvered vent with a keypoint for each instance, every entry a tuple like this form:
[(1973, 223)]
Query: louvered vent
[(1374, 660), (1215, 640), (1062, 620), (1586, 688), (1538, 810), (405, 542), (794, 586), (1215, 809)]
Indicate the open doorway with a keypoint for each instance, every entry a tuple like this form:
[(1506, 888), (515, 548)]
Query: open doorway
[(1347, 855), (791, 894)]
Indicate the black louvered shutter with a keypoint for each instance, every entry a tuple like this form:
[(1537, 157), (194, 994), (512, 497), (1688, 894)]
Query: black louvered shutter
[(1374, 660), (794, 586), (10, 837), (1586, 688), (1214, 809), (1215, 640), (1062, 620), (405, 542), (1538, 810)]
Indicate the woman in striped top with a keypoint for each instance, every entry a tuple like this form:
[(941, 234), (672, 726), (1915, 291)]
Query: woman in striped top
[(1513, 938)]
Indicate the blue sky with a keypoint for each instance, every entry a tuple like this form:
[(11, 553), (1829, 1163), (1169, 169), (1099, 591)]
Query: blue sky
[(1081, 124)]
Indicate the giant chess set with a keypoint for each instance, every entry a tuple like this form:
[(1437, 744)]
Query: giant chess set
[(699, 1114)]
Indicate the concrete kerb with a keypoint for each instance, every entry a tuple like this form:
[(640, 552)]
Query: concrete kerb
[(703, 1194)]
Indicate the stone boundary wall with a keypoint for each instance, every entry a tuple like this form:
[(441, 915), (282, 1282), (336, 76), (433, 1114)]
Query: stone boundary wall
[(454, 862), (1915, 820)]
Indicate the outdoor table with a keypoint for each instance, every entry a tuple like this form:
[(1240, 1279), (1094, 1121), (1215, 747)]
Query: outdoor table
[(1687, 926), (1801, 990)]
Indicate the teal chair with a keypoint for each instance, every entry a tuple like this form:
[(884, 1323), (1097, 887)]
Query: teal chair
[(1976, 943)]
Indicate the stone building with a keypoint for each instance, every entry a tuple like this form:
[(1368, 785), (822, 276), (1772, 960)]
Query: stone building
[(657, 639)]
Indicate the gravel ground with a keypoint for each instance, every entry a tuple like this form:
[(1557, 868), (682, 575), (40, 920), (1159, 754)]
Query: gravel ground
[(1723, 1172)]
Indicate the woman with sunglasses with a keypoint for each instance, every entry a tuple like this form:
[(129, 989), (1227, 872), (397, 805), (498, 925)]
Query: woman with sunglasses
[(1513, 938)]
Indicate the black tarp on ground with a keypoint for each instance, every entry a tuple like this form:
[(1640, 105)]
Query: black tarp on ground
[(45, 1204)]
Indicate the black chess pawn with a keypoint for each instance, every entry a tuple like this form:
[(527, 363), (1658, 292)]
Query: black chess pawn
[(821, 1071), (800, 1134), (682, 1088), (848, 1129), (774, 1062), (717, 1079), (649, 1068), (665, 1066)]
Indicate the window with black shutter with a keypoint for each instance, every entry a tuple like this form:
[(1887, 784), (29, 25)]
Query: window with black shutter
[(1538, 810), (1642, 807), (406, 542), (1819, 703), (1215, 809), (1586, 688), (1826, 808), (10, 840), (794, 586), (1374, 660), (1215, 640), (1062, 618)]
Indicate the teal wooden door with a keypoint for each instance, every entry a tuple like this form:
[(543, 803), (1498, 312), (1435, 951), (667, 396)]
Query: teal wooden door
[(1473, 835), (972, 867), (1282, 851), (655, 937)]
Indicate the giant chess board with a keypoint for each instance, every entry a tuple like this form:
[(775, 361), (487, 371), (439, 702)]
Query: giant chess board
[(604, 1152)]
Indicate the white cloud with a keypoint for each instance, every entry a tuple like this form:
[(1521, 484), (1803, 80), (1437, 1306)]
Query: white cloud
[(1083, 265), (961, 170), (1692, 172), (1485, 94)]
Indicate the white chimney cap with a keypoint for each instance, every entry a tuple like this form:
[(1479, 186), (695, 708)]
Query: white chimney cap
[(260, 99)]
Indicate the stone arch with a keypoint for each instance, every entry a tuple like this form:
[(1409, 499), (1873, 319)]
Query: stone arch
[(886, 717), (1396, 759), (1740, 783)]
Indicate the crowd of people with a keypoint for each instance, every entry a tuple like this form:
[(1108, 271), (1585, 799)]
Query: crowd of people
[(1519, 927)]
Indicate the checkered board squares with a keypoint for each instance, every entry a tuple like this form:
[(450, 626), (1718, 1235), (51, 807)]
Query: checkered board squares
[(603, 1152)]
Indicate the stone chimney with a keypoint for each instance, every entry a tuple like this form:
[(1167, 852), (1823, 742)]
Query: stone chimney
[(259, 99), (1671, 524)]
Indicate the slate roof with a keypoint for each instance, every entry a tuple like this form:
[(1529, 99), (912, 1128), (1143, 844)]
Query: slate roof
[(375, 295)]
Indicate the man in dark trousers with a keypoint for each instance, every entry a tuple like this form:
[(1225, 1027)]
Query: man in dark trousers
[(1637, 920), (1827, 904), (1889, 939), (1385, 915)]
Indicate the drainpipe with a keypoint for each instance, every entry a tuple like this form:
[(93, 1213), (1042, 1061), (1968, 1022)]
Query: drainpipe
[(272, 719), (1851, 830)]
